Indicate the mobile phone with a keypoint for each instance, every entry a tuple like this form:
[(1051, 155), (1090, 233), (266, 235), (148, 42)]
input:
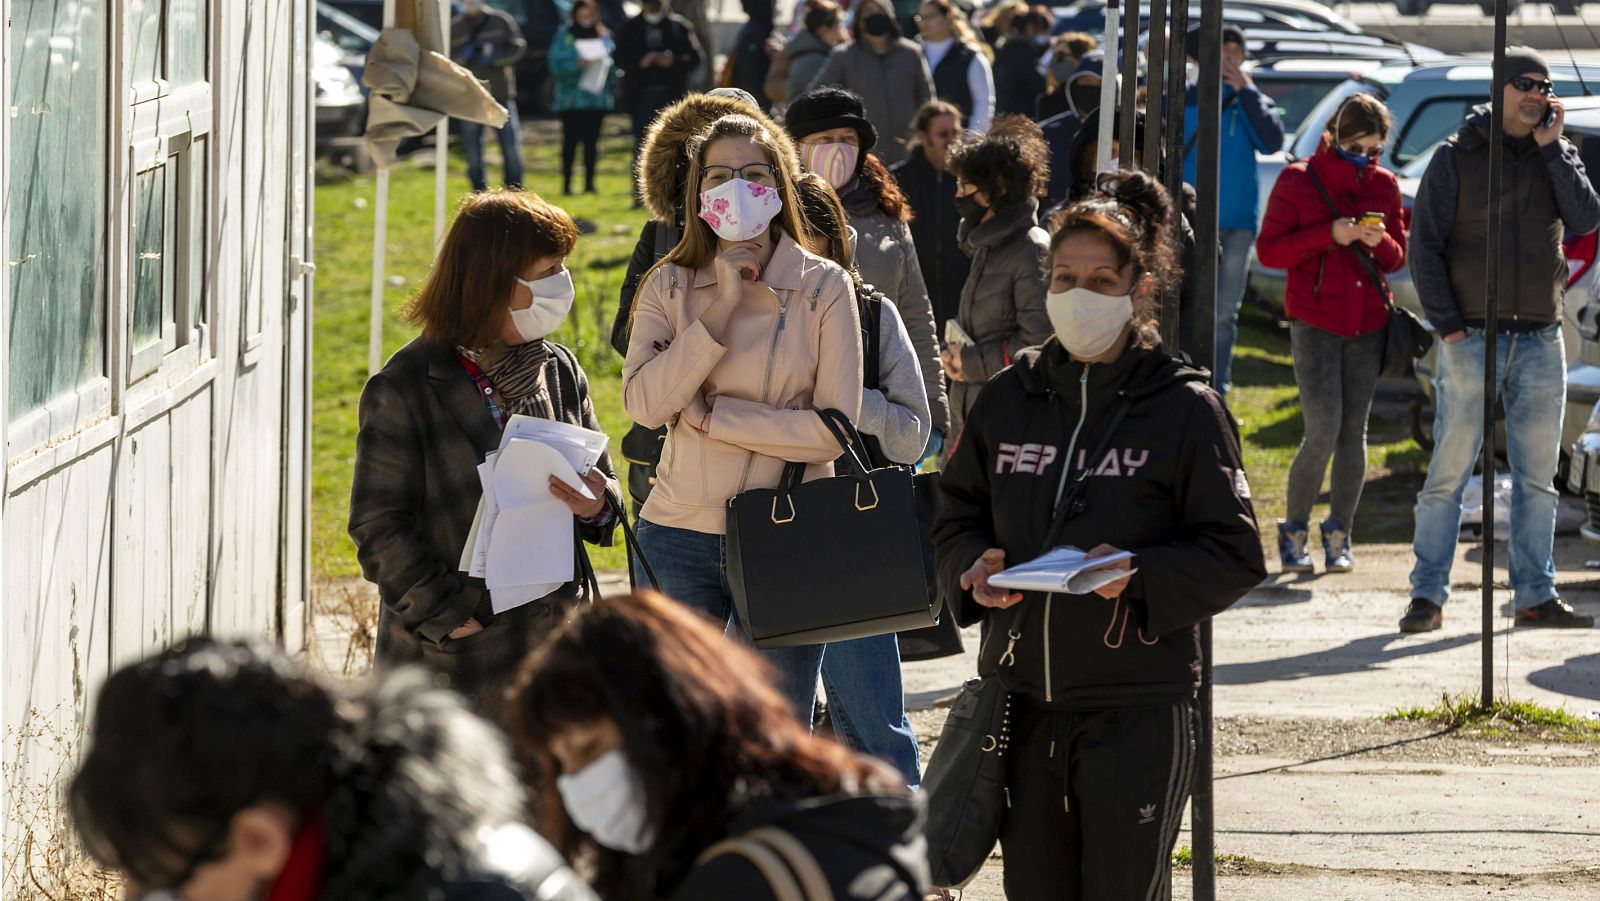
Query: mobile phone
[(1549, 117), (1370, 219)]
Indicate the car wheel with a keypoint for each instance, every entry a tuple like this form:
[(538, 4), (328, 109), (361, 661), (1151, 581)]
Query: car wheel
[(1411, 7), (1567, 7)]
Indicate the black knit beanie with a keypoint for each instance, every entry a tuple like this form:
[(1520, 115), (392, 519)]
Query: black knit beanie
[(829, 108), (1522, 60)]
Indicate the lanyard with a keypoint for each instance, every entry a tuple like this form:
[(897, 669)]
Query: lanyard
[(485, 389)]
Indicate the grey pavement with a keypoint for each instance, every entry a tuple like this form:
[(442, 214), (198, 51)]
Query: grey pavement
[(1359, 827)]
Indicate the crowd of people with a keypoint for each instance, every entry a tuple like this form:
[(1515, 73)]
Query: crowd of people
[(871, 245)]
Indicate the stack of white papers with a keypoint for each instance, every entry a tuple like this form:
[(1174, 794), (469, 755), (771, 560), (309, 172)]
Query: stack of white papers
[(596, 63), (1065, 570), (521, 542)]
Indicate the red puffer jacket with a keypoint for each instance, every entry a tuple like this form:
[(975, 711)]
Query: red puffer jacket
[(1328, 287)]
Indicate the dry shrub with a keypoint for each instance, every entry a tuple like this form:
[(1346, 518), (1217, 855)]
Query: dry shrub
[(42, 860)]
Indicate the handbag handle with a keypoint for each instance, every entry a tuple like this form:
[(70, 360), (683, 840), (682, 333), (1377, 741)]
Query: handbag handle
[(1366, 262), (850, 441)]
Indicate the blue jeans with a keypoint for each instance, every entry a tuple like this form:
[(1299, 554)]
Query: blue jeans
[(510, 149), (867, 702), (1232, 271), (691, 568), (1531, 378)]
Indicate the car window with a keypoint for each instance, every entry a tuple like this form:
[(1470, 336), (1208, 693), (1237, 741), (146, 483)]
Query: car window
[(1315, 122), (1433, 121), (1296, 97)]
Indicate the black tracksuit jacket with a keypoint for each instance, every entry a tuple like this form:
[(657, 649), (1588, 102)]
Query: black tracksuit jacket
[(1171, 488)]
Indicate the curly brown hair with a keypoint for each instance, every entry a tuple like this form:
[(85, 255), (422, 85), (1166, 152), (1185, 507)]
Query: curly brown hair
[(1010, 164), (891, 199)]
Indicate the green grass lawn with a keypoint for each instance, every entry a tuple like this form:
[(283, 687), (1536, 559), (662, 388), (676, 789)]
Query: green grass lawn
[(344, 221), (1265, 399)]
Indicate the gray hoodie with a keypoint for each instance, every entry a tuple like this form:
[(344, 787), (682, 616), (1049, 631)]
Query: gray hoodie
[(896, 412), (892, 88)]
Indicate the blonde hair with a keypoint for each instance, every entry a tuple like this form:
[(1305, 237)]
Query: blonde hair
[(698, 246)]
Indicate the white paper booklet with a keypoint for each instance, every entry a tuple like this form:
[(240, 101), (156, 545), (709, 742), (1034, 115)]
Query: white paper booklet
[(1065, 570)]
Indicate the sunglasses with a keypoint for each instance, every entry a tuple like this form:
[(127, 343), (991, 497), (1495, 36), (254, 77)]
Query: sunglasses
[(1527, 85), (1356, 150)]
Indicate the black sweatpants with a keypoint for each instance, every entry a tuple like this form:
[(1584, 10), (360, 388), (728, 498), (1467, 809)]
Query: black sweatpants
[(1096, 802), (580, 127)]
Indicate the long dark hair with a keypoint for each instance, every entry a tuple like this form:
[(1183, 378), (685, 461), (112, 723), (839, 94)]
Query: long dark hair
[(890, 199), (700, 722)]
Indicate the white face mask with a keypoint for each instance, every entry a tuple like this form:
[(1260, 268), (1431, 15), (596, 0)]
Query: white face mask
[(552, 298), (1087, 322), (738, 210), (607, 800)]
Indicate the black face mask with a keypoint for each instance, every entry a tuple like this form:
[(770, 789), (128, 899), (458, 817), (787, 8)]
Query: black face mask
[(1085, 98), (878, 25), (969, 207)]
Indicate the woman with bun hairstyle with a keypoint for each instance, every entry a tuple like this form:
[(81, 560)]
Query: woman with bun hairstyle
[(739, 336), (1337, 251), (1098, 422), (999, 178), (836, 140), (866, 699)]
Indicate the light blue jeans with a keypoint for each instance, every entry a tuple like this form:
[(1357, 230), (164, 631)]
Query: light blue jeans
[(867, 701), (1531, 378), (510, 135), (1232, 272)]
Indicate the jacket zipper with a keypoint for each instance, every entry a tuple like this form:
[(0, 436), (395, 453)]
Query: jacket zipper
[(1322, 264), (1066, 471), (766, 385)]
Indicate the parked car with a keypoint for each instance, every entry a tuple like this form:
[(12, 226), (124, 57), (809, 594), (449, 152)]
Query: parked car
[(1090, 16), (341, 105), (1298, 83), (1418, 7), (354, 36)]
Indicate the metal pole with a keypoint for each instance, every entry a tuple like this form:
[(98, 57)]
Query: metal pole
[(1155, 60), (441, 143), (1172, 106), (1207, 185), (380, 240), (1128, 137), (1108, 88), (1490, 334)]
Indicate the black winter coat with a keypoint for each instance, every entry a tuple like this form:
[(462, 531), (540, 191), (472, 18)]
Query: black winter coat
[(1171, 488), (932, 195)]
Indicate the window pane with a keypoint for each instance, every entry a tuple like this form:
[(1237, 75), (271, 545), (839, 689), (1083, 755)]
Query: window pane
[(193, 200), (58, 60), (144, 29), (186, 24), (149, 218)]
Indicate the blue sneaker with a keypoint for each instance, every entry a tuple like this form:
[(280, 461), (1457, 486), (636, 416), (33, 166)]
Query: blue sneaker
[(1336, 547), (1292, 553)]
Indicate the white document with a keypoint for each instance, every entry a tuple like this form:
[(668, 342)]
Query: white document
[(478, 540), (590, 49), (561, 435), (522, 474), (955, 335), (1064, 570), (503, 599), (531, 545)]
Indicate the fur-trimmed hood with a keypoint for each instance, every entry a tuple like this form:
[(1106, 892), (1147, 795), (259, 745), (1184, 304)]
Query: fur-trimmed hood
[(660, 161)]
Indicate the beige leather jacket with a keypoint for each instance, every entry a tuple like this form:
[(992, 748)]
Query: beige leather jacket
[(740, 408)]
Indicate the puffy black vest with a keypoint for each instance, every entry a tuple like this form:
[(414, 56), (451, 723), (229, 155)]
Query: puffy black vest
[(950, 78), (1533, 268)]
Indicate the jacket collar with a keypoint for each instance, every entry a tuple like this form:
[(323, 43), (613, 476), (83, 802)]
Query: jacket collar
[(1333, 170), (1137, 373), (1007, 221), (457, 393), (786, 271)]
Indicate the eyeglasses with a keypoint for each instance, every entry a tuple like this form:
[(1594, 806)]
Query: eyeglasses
[(1527, 85), (759, 173)]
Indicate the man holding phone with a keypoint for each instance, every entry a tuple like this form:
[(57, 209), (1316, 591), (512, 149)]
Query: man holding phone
[(1545, 190)]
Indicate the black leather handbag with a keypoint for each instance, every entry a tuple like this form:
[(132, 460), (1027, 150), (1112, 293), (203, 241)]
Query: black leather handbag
[(965, 781), (1405, 337), (831, 559)]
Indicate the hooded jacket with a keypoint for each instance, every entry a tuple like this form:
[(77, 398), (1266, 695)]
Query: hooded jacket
[(1171, 488), (887, 259), (869, 847), (740, 405), (662, 168), (932, 195), (1002, 302), (1327, 286), (1061, 132), (806, 54), (1250, 125), (1546, 192), (1018, 83), (892, 86)]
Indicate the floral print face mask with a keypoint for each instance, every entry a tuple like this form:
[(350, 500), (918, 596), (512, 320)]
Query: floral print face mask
[(738, 210)]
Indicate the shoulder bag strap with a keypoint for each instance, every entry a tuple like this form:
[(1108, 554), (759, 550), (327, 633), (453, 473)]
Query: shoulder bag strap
[(1366, 261), (800, 860), (1189, 144), (779, 878)]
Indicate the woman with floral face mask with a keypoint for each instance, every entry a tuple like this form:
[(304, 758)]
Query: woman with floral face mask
[(739, 334), (1337, 251), (665, 754), (1147, 455), (498, 289), (835, 140)]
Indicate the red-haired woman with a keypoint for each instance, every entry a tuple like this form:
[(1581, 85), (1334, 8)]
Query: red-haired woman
[(662, 740)]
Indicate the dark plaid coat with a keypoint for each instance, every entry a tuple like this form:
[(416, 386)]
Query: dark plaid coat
[(424, 430)]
